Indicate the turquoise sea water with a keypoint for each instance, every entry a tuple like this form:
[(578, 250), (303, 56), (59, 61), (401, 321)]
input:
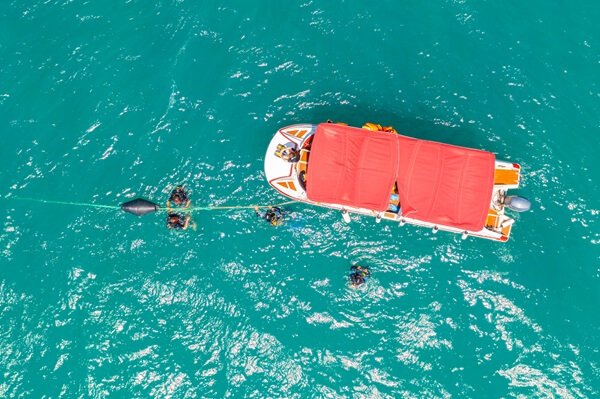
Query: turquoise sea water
[(104, 101)]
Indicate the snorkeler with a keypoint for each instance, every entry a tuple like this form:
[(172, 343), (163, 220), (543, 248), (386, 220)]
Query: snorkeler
[(359, 275), (273, 215), (179, 197), (175, 221)]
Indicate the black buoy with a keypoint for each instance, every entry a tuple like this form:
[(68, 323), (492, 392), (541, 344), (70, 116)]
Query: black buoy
[(139, 207)]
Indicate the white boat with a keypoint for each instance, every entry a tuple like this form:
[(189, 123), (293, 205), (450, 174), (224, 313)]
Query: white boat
[(379, 173)]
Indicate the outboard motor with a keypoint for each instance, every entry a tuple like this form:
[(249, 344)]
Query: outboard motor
[(517, 204), (139, 207)]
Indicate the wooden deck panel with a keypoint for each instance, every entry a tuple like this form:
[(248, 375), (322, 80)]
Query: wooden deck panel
[(304, 156), (506, 177), (492, 219), (302, 167)]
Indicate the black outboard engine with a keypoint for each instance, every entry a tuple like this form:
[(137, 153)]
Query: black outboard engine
[(139, 207), (517, 204)]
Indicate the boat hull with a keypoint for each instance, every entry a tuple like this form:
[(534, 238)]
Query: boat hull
[(287, 179)]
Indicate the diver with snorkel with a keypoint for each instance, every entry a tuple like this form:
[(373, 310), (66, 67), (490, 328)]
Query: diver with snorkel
[(181, 200), (273, 215), (359, 275)]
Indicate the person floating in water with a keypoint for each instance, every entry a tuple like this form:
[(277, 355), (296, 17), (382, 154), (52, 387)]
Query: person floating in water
[(273, 215), (359, 275), (175, 221), (179, 197)]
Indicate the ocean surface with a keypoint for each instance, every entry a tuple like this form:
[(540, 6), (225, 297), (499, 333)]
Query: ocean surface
[(104, 101)]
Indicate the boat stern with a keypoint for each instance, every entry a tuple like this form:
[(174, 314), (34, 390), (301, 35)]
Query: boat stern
[(507, 176)]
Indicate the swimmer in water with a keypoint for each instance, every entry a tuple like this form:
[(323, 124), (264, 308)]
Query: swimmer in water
[(178, 197), (175, 221), (359, 275), (273, 215)]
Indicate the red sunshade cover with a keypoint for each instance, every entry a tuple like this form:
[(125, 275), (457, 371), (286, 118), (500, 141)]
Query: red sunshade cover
[(351, 166), (437, 183), (444, 184)]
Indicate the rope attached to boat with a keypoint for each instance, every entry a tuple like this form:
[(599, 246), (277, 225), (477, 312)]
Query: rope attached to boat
[(164, 209)]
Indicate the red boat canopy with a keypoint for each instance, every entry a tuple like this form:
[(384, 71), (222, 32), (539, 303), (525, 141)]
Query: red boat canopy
[(347, 166), (437, 183)]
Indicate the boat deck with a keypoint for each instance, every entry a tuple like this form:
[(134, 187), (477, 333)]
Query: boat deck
[(506, 177)]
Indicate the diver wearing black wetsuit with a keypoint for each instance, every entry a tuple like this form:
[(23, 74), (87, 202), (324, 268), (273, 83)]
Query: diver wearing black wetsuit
[(175, 221), (359, 275), (273, 215), (179, 197)]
